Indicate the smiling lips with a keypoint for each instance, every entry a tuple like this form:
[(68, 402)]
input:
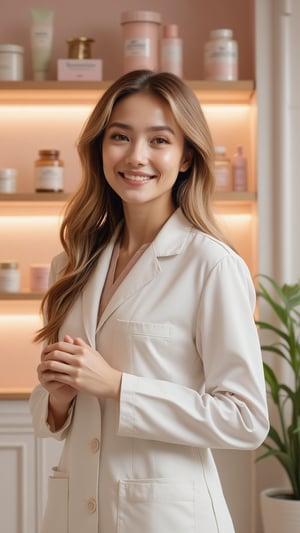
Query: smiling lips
[(136, 177)]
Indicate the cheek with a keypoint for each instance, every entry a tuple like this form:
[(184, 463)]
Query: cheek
[(110, 156), (171, 160)]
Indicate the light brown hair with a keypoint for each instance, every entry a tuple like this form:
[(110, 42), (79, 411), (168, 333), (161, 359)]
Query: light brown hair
[(95, 210)]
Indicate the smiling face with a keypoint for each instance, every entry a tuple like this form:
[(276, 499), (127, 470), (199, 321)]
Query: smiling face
[(143, 151)]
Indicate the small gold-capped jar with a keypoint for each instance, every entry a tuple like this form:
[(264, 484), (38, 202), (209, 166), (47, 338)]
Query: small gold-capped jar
[(9, 276), (49, 172), (80, 48)]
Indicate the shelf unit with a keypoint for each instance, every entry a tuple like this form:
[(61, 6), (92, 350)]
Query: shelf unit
[(70, 92), (31, 220)]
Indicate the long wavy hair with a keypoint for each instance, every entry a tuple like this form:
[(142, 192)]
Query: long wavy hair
[(95, 210)]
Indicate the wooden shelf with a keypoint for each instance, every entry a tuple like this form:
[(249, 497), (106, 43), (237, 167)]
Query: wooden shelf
[(39, 204), (69, 92), (40, 197), (235, 197), (60, 198), (23, 295), (33, 204), (14, 394)]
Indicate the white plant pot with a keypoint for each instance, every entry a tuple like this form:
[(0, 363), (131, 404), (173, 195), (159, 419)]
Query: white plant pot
[(279, 515)]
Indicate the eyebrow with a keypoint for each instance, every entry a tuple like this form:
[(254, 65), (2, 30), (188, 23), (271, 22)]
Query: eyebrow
[(151, 128)]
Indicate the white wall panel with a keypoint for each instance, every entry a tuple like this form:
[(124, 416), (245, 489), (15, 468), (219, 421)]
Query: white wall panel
[(17, 470)]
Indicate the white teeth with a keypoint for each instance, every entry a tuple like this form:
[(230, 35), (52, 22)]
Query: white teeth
[(136, 178)]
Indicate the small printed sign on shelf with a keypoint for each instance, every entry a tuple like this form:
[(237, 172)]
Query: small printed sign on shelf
[(79, 69)]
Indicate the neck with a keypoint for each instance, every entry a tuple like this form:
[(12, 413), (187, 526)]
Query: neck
[(141, 226)]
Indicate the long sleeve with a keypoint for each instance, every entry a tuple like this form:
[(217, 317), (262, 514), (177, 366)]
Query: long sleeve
[(232, 410)]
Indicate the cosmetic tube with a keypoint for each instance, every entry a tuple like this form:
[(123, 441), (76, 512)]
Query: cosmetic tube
[(41, 41)]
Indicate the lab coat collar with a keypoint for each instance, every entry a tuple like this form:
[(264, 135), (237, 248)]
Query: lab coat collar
[(172, 237)]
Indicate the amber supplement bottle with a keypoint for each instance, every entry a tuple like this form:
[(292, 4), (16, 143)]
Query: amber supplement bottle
[(49, 172)]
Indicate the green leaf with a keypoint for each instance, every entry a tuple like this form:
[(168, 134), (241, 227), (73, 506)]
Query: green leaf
[(283, 444)]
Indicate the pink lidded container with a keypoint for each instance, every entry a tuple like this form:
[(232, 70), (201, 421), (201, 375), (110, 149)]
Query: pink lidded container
[(39, 274), (141, 36)]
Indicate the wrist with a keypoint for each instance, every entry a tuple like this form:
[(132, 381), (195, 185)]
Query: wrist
[(59, 406), (57, 412)]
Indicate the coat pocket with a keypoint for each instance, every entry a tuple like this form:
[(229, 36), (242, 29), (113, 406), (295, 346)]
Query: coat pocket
[(152, 505), (56, 513)]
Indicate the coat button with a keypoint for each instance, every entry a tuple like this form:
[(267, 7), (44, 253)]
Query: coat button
[(91, 505), (94, 445)]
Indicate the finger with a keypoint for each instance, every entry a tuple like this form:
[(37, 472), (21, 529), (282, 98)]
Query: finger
[(64, 364), (58, 347), (68, 339), (78, 341)]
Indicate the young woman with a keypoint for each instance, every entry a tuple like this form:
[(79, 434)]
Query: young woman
[(151, 353)]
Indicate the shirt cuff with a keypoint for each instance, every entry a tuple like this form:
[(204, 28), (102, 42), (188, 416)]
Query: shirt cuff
[(127, 404)]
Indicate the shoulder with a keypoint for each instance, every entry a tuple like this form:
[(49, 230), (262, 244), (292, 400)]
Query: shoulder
[(195, 245), (211, 248), (224, 271), (217, 255), (216, 259)]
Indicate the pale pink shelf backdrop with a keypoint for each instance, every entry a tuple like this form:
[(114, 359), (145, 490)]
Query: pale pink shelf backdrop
[(100, 20)]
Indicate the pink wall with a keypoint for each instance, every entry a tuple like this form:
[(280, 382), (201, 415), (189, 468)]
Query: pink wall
[(101, 21)]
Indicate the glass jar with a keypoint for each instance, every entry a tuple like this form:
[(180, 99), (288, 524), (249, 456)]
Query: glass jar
[(9, 276), (223, 180), (8, 180), (38, 277), (11, 62), (49, 172), (221, 56), (80, 48)]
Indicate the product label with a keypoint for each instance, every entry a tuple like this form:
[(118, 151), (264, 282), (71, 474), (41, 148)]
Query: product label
[(239, 178), (7, 185), (11, 67), (137, 47), (171, 52), (49, 178), (222, 177), (221, 61), (41, 36), (9, 280), (221, 54)]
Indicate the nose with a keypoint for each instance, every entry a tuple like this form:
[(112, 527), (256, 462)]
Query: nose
[(137, 154)]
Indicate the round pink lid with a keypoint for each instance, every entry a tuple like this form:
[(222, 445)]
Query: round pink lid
[(140, 16)]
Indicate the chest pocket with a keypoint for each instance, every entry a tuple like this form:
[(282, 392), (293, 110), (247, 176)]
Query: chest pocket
[(149, 347)]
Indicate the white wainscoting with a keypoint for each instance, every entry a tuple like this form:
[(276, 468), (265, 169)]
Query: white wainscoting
[(25, 463)]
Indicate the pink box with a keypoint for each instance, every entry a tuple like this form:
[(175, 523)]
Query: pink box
[(79, 69)]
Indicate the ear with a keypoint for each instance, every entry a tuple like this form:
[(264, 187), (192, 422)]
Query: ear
[(186, 160)]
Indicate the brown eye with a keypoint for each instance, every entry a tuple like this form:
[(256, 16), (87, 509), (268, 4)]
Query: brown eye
[(160, 140), (119, 137)]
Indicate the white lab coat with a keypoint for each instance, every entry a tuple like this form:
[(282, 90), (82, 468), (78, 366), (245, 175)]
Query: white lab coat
[(180, 327)]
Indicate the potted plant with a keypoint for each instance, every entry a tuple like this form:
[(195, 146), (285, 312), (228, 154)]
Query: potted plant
[(283, 441)]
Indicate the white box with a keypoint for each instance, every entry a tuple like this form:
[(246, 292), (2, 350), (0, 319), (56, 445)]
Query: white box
[(79, 69)]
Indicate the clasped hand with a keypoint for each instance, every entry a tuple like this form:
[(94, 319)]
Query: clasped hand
[(71, 365)]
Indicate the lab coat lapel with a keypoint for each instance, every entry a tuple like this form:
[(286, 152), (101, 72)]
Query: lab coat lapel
[(92, 292), (145, 269)]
